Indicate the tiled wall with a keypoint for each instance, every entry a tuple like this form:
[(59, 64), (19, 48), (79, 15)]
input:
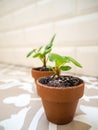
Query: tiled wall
[(25, 24)]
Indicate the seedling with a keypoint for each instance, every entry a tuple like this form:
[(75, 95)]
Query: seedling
[(60, 63), (42, 52)]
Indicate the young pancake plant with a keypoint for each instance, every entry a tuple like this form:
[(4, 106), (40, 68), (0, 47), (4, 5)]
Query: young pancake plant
[(42, 52), (60, 63)]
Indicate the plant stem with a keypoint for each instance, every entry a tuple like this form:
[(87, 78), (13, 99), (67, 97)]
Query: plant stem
[(44, 62), (57, 71)]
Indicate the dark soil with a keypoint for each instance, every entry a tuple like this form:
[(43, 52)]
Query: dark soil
[(42, 69), (61, 81)]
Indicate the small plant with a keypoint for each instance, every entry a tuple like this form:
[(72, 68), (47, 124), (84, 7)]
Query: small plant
[(60, 63), (60, 93), (42, 52)]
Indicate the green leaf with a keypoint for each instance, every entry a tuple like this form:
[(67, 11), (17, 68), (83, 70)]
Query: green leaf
[(51, 42), (37, 55), (65, 68), (58, 59), (47, 51), (50, 67), (74, 62), (39, 49), (52, 39), (54, 57), (67, 60), (48, 47), (31, 52)]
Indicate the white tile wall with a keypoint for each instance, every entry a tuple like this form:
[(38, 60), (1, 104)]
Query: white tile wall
[(78, 30), (18, 56), (25, 16), (27, 2), (88, 56), (87, 6), (25, 24), (8, 6), (35, 35), (7, 22), (14, 38), (55, 9)]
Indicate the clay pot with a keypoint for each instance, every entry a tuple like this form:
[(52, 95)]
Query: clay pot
[(60, 102), (37, 74)]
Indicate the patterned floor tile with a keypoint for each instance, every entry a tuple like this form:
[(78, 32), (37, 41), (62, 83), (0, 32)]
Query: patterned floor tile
[(21, 107)]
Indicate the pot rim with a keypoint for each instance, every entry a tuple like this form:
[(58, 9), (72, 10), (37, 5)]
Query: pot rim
[(63, 87), (35, 69), (60, 94)]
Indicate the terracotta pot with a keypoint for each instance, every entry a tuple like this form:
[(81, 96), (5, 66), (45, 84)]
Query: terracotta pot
[(37, 74), (60, 103)]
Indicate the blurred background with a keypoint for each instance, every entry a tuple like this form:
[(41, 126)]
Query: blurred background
[(26, 24)]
